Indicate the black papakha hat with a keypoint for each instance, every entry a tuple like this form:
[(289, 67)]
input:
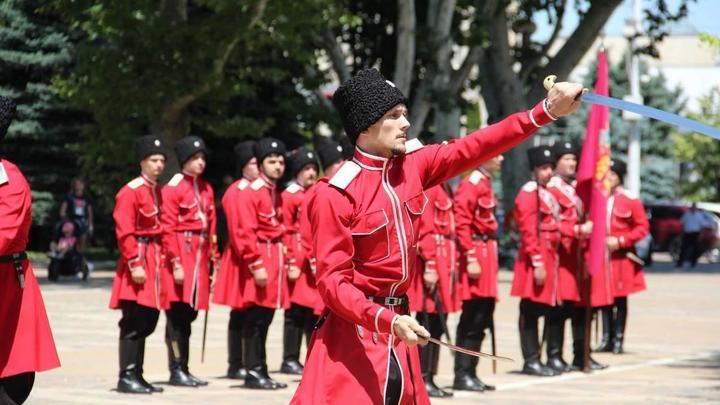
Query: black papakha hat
[(329, 152), (560, 149), (300, 157), (540, 155), (364, 99), (619, 167), (244, 151), (268, 146), (149, 145), (8, 108), (188, 146)]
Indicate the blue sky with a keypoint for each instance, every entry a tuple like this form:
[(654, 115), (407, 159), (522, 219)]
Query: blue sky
[(703, 15)]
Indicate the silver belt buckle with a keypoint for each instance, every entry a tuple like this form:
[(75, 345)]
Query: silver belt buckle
[(392, 301)]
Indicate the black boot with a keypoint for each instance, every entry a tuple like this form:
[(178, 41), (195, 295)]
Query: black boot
[(605, 344), (236, 369), (185, 348), (530, 345), (128, 381), (140, 362), (619, 326), (178, 376), (427, 366), (578, 332), (555, 339), (292, 340), (256, 379)]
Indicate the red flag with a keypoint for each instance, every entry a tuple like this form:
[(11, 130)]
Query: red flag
[(592, 187)]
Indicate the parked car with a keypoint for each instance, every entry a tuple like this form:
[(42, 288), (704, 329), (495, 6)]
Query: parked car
[(666, 228)]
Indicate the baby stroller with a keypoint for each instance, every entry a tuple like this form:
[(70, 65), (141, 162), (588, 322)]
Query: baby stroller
[(65, 259)]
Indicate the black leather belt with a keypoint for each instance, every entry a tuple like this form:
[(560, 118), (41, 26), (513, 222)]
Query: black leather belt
[(390, 301), (18, 259), (203, 234), (484, 237), (148, 239)]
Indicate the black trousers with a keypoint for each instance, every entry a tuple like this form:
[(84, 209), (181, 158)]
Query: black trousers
[(689, 249), (255, 329), (298, 321), (476, 316), (137, 321), (430, 353), (530, 313), (16, 388), (235, 344), (177, 333)]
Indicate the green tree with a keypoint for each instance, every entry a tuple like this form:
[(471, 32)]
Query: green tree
[(34, 47), (701, 154)]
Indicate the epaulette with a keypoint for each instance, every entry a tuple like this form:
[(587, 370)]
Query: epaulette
[(412, 145), (257, 184), (3, 174), (345, 175), (176, 179), (136, 182), (475, 177), (530, 186), (243, 183), (293, 188), (555, 181)]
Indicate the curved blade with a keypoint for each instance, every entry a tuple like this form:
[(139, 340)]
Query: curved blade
[(467, 351), (650, 112)]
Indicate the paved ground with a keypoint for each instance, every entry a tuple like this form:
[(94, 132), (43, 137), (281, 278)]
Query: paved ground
[(672, 341)]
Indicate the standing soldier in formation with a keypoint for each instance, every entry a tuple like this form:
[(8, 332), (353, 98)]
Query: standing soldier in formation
[(228, 286), (264, 284), (331, 155), (536, 268), (365, 221), (433, 292), (137, 285), (27, 344), (299, 318), (476, 228), (574, 231), (627, 225), (188, 219)]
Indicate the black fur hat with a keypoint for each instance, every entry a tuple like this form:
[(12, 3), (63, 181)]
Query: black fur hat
[(188, 146), (7, 114), (268, 146), (300, 157), (329, 152), (149, 145), (244, 151), (364, 99), (540, 155), (560, 149)]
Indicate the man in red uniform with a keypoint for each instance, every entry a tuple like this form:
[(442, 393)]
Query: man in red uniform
[(188, 207), (365, 221), (136, 288), (433, 291), (26, 341), (228, 287), (574, 230), (264, 281), (476, 227), (536, 267), (332, 155), (628, 225), (299, 318)]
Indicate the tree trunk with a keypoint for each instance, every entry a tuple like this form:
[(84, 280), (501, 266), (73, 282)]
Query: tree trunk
[(405, 54), (447, 122)]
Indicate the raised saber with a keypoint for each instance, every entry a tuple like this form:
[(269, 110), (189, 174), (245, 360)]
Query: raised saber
[(645, 111), (466, 351)]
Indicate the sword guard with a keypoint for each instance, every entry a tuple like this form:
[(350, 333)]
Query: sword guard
[(549, 82)]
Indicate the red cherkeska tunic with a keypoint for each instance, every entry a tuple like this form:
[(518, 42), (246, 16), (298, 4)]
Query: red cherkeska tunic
[(571, 242), (228, 281), (26, 341), (261, 234), (628, 222), (536, 213), (139, 234), (438, 252), (188, 218), (303, 290), (308, 260), (476, 228), (365, 226)]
